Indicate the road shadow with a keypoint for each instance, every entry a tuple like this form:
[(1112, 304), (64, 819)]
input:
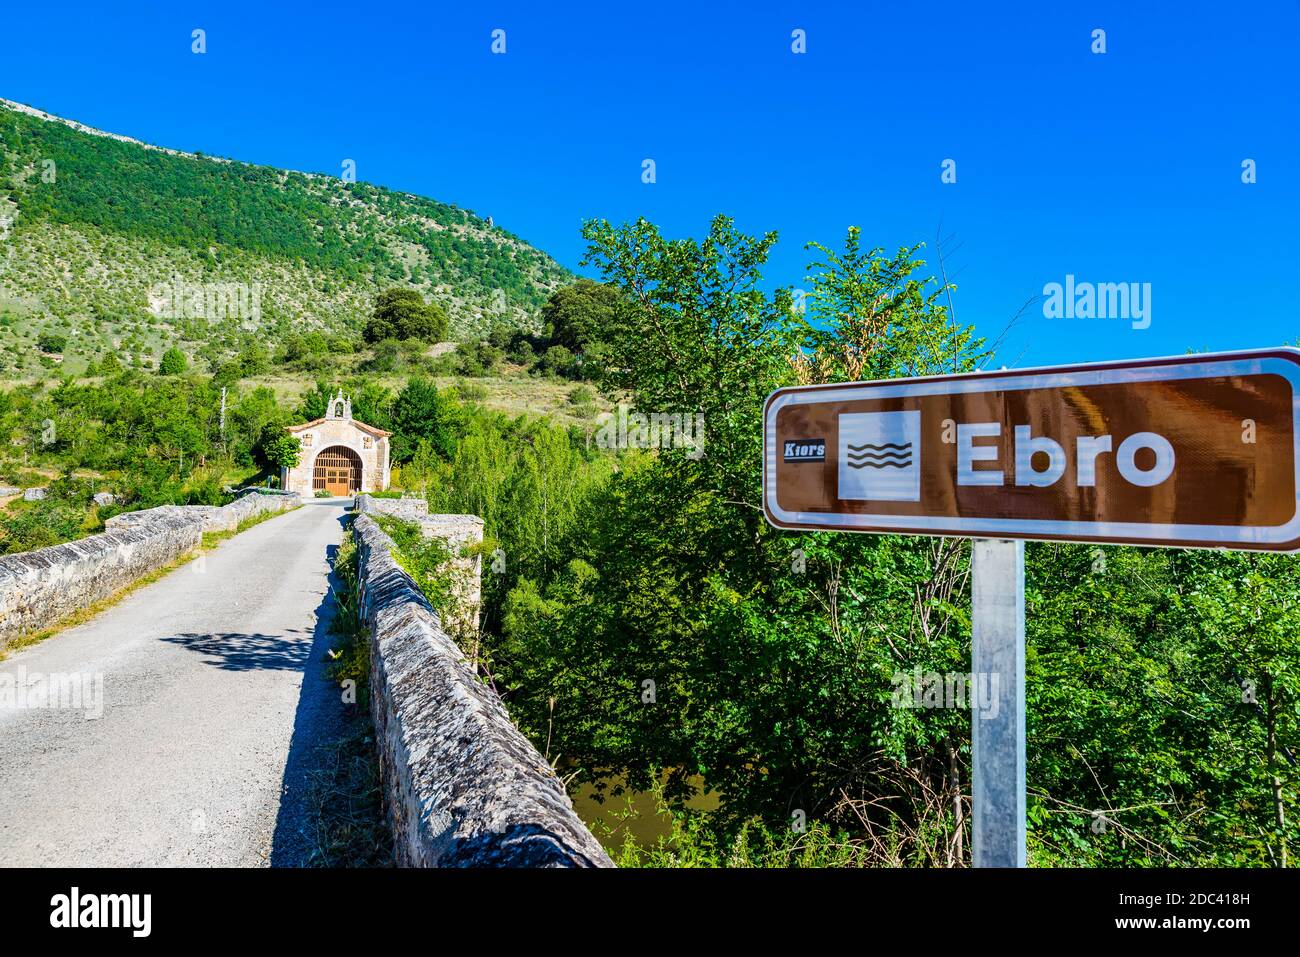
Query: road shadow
[(234, 651), (328, 753)]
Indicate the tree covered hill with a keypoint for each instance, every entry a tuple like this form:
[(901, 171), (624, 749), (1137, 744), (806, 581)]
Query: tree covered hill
[(91, 222)]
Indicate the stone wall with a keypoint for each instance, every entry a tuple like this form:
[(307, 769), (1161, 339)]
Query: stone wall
[(226, 518), (39, 588), (215, 518), (463, 787), (147, 516), (407, 509)]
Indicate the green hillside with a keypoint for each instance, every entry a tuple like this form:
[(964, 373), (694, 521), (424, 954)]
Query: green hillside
[(91, 223)]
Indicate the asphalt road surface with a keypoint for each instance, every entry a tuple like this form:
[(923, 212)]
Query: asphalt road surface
[(214, 700)]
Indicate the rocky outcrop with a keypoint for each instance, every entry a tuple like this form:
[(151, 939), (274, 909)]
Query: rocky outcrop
[(462, 785), (39, 588)]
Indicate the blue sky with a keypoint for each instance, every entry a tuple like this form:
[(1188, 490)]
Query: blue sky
[(1118, 167)]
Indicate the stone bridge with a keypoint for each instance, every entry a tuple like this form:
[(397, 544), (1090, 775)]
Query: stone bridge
[(181, 714)]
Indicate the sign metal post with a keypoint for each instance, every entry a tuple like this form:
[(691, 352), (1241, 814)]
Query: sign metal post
[(998, 723)]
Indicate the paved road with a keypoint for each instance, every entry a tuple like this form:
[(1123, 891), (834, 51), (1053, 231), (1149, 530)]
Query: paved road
[(214, 698)]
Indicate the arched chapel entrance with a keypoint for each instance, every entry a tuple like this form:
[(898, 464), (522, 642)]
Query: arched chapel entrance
[(337, 471)]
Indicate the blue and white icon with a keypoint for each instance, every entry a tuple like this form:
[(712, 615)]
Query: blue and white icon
[(880, 456)]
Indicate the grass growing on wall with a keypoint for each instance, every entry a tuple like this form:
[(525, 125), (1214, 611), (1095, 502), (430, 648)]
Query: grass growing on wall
[(426, 560), (351, 659)]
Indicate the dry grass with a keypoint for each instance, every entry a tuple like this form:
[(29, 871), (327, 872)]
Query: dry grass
[(513, 392), (345, 798)]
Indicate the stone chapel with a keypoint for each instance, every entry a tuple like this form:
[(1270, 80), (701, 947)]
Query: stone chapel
[(339, 454)]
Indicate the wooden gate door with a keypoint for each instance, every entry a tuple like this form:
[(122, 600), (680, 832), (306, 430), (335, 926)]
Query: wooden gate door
[(337, 471)]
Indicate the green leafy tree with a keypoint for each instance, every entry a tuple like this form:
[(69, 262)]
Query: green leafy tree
[(1161, 684), (253, 360), (403, 314), (420, 411), (577, 315), (281, 450), (315, 402), (51, 342), (758, 660), (252, 416)]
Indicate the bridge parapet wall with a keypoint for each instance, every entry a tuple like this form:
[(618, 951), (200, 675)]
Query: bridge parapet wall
[(42, 587), (407, 509), (215, 518), (462, 785)]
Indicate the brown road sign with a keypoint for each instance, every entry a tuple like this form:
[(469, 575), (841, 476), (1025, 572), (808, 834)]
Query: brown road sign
[(1197, 450)]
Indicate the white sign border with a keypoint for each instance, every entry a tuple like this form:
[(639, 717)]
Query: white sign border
[(1253, 362)]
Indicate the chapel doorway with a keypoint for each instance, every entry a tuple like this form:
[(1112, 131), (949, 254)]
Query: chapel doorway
[(337, 471)]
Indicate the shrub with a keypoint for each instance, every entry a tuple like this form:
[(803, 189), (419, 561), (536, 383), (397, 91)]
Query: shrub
[(581, 395), (558, 361), (471, 391), (173, 362), (478, 359), (51, 342)]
